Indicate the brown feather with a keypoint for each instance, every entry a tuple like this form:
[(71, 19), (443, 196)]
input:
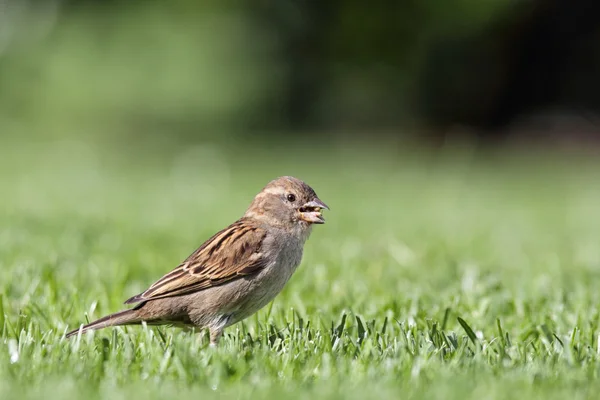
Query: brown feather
[(222, 258)]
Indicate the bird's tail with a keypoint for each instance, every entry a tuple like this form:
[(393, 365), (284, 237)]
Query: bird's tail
[(126, 317)]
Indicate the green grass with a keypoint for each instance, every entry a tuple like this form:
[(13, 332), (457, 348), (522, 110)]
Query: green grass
[(434, 277)]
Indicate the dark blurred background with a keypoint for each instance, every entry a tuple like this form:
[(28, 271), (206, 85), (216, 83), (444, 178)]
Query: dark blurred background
[(492, 71)]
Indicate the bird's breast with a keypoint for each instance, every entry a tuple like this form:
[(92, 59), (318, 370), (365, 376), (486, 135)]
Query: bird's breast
[(285, 262), (253, 293)]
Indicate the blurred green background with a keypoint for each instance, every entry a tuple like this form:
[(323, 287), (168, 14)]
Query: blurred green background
[(187, 70), (130, 131)]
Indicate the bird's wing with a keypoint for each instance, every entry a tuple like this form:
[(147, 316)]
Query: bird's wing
[(234, 252)]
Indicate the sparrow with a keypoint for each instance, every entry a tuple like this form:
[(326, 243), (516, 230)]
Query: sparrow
[(236, 272)]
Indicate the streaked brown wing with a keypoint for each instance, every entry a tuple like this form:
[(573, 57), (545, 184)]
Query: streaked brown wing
[(234, 252)]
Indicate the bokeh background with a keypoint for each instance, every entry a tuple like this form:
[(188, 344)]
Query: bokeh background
[(430, 70), (455, 141)]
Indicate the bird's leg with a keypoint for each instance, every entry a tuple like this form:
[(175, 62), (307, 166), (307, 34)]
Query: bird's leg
[(215, 335)]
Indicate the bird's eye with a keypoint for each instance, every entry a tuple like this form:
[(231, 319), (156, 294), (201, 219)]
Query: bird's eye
[(291, 198)]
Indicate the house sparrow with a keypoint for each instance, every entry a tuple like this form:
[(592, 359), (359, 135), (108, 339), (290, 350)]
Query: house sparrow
[(234, 273)]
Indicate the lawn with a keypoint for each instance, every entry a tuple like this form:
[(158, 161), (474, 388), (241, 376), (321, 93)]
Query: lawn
[(436, 276)]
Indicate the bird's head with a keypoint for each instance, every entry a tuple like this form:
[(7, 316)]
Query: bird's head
[(287, 202)]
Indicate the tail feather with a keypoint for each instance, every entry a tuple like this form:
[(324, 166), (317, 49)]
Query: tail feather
[(120, 318)]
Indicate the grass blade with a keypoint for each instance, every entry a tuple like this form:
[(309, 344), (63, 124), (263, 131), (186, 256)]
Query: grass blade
[(468, 330)]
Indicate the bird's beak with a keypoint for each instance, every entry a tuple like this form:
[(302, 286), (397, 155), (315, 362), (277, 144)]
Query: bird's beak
[(311, 211)]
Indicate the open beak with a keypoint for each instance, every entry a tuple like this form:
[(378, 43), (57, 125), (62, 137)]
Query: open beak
[(311, 211)]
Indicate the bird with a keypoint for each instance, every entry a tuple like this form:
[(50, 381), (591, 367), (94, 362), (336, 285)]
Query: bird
[(234, 273)]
